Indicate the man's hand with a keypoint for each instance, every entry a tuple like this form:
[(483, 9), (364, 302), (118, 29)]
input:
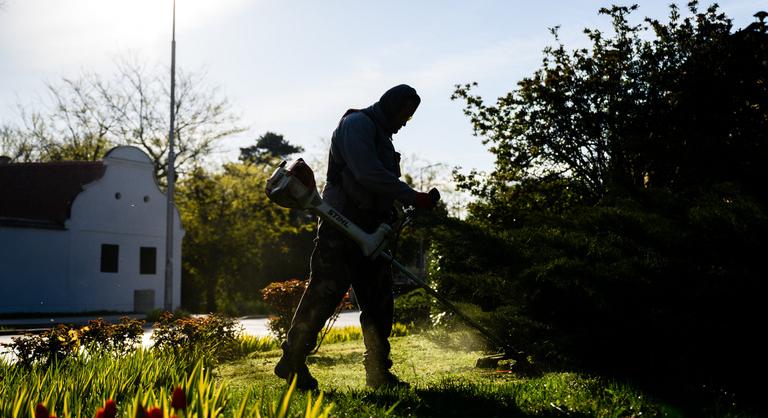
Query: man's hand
[(427, 200)]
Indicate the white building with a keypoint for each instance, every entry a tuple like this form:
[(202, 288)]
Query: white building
[(79, 236)]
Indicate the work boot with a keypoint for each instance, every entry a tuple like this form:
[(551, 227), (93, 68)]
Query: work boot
[(287, 369), (384, 378)]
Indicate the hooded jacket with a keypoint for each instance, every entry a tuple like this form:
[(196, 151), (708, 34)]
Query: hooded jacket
[(363, 166)]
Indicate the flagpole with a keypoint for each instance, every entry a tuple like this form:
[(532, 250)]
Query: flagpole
[(169, 219)]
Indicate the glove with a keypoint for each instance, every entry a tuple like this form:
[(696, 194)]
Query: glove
[(427, 200)]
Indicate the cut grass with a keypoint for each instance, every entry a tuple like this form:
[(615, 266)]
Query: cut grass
[(445, 383)]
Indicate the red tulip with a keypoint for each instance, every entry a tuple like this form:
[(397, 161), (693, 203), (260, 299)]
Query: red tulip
[(178, 399), (155, 413), (110, 409), (100, 413), (41, 411)]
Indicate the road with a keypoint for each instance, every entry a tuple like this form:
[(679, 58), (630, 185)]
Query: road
[(256, 327)]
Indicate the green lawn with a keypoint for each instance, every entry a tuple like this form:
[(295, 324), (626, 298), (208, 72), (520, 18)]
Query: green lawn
[(445, 383), (439, 365)]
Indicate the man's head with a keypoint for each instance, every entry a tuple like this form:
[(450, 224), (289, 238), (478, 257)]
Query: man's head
[(398, 104)]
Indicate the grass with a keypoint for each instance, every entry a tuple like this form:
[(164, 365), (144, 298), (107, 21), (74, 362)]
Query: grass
[(81, 384), (445, 383), (440, 367)]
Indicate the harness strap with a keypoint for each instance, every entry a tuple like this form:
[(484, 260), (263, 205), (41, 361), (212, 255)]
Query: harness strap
[(335, 168)]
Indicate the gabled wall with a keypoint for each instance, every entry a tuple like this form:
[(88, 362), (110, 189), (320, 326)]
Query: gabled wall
[(60, 271)]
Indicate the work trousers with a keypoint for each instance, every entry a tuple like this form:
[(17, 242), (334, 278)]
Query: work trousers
[(336, 263)]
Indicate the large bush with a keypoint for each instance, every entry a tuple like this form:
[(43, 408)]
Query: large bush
[(623, 226), (413, 308), (659, 286)]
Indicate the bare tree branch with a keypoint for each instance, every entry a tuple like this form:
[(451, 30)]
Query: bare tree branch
[(85, 116)]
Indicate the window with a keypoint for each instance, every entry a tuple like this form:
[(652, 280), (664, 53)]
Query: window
[(148, 260), (109, 256)]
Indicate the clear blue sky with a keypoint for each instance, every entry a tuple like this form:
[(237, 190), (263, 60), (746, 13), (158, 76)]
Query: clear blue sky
[(293, 67)]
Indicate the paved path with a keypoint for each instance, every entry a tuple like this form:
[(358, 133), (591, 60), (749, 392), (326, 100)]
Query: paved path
[(256, 327)]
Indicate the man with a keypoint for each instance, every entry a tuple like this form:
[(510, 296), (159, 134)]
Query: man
[(363, 183)]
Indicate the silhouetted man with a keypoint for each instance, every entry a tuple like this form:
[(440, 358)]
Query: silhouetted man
[(363, 182)]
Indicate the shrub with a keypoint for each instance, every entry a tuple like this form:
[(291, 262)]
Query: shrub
[(283, 298), (413, 308), (674, 280), (63, 341), (214, 334), (118, 338), (46, 347)]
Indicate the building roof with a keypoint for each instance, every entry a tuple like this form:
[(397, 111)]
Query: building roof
[(40, 195)]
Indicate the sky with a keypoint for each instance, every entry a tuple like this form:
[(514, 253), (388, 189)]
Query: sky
[(294, 67)]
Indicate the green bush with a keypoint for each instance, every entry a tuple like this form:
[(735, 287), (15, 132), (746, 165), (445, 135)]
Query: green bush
[(413, 308), (118, 338), (283, 298), (62, 341), (656, 285), (214, 334)]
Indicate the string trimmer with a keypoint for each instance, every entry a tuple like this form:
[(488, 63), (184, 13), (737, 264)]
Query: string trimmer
[(294, 187)]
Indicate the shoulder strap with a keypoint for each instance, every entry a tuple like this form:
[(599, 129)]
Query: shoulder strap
[(367, 112), (335, 168)]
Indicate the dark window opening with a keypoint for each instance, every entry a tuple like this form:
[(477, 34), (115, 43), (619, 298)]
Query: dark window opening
[(148, 260), (109, 256)]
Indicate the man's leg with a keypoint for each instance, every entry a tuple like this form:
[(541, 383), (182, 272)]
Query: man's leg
[(374, 293), (329, 280)]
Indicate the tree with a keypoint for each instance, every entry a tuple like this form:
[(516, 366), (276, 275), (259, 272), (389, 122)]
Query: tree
[(235, 237), (622, 227), (13, 146), (86, 116), (269, 147), (634, 111)]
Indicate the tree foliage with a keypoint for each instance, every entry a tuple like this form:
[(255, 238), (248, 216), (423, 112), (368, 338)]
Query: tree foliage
[(84, 117), (268, 147), (236, 240), (622, 226), (682, 107)]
